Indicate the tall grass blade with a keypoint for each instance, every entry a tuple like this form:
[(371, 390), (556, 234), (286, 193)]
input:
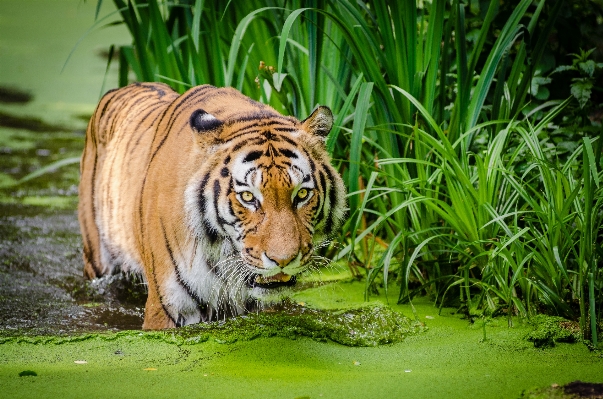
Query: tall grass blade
[(361, 113)]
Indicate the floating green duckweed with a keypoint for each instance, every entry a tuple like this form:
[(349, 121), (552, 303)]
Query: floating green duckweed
[(365, 326), (573, 390), (551, 329)]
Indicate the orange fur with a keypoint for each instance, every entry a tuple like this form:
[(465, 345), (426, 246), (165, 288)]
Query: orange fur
[(163, 179)]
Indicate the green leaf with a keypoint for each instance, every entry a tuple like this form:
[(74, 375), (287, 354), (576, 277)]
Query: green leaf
[(360, 117), (49, 168), (99, 3), (236, 43), (588, 67), (283, 40), (197, 22), (591, 160), (332, 138), (581, 89), (109, 59), (538, 81), (562, 68), (543, 94)]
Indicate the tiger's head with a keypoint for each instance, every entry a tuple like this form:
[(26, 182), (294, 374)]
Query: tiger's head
[(265, 195)]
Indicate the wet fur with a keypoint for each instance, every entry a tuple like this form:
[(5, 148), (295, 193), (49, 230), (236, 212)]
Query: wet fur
[(160, 195)]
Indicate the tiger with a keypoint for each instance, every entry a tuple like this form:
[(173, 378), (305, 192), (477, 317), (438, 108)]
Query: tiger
[(218, 201)]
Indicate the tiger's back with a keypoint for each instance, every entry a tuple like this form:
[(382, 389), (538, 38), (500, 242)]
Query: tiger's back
[(118, 142), (163, 192)]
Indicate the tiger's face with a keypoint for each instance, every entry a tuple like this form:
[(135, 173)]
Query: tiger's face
[(271, 197), (274, 197)]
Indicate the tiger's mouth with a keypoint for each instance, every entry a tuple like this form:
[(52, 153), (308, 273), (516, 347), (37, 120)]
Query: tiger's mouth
[(275, 281)]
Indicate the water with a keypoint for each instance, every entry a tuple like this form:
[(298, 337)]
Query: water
[(42, 289), (44, 106)]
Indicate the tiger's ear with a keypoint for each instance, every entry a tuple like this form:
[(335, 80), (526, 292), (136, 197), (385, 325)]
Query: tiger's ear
[(202, 122), (320, 122)]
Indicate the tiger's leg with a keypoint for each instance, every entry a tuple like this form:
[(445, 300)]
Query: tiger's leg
[(155, 315), (86, 211)]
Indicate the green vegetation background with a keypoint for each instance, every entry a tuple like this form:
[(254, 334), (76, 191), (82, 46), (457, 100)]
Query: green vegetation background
[(468, 132)]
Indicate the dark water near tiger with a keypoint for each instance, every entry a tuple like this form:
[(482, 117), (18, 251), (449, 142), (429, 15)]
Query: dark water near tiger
[(46, 96), (42, 290)]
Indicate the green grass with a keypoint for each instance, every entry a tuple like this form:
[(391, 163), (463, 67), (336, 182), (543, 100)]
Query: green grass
[(454, 188)]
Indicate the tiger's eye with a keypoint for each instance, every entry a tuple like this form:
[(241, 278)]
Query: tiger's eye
[(302, 193), (247, 196)]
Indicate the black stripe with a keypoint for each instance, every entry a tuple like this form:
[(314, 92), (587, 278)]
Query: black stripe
[(309, 229), (216, 194), (290, 141), (248, 172), (323, 189), (108, 99), (238, 146), (201, 305), (232, 213), (217, 191), (140, 135), (210, 232), (201, 195), (258, 116), (252, 156), (124, 107), (95, 267), (332, 197), (157, 289), (288, 153), (240, 134)]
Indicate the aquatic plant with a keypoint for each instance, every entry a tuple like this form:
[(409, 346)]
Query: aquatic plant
[(441, 135)]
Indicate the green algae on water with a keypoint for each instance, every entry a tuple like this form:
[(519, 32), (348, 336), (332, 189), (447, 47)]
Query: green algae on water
[(551, 329), (365, 326), (573, 390)]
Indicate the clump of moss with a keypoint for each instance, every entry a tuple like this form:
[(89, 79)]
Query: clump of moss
[(553, 392), (573, 390), (551, 329), (366, 326)]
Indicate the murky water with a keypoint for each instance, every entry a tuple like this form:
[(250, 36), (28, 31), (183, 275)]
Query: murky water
[(42, 290), (44, 104)]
